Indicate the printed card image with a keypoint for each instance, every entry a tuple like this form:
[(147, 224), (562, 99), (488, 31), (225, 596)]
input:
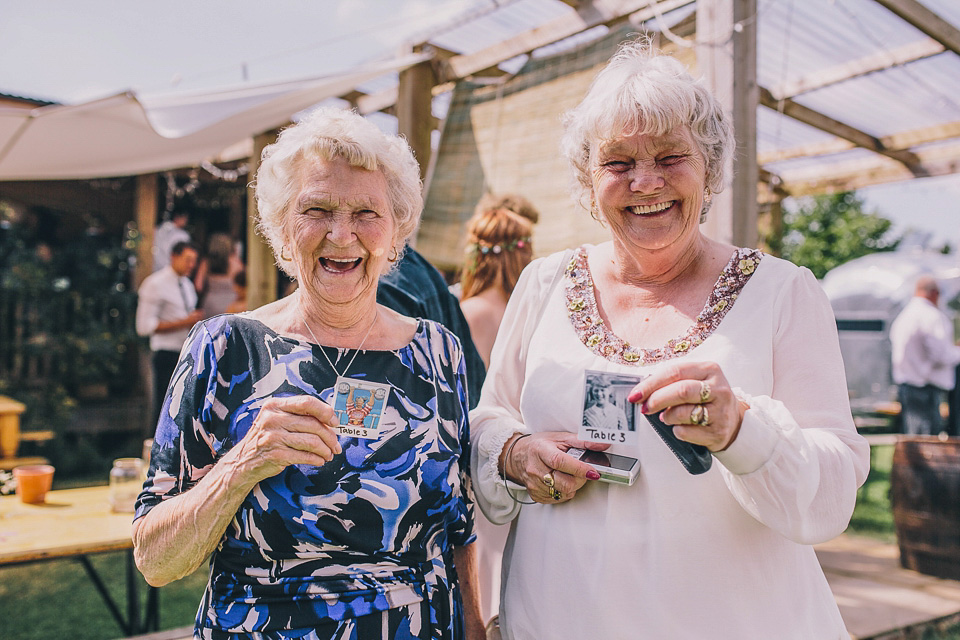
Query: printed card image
[(607, 415), (359, 407)]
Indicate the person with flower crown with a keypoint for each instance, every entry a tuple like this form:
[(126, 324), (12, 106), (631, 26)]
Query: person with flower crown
[(498, 247), (747, 450)]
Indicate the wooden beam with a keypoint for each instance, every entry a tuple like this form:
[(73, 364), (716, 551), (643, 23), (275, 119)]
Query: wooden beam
[(147, 208), (885, 59), (925, 135), (919, 16), (825, 123), (261, 265), (939, 161), (903, 140), (565, 26), (414, 116), (825, 148), (727, 58)]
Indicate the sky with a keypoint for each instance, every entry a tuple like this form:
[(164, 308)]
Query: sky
[(70, 52)]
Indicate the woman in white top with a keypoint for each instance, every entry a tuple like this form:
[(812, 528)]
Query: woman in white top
[(741, 356), (498, 248)]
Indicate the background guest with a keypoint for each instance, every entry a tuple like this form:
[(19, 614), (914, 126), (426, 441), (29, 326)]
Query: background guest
[(924, 357), (499, 246), (239, 293), (166, 310), (415, 288), (216, 274), (167, 234)]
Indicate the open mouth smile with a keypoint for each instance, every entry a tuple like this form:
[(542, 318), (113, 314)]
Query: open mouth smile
[(340, 265), (645, 210)]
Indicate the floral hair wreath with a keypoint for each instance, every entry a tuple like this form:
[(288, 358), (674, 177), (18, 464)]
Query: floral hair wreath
[(483, 248)]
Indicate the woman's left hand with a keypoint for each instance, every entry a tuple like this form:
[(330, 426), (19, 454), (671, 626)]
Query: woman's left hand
[(696, 398)]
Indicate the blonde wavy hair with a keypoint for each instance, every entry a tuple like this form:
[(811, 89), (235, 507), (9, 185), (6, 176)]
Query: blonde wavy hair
[(499, 244)]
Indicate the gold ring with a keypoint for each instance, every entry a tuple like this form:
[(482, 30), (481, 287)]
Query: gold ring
[(700, 416), (556, 493), (704, 392), (548, 479)]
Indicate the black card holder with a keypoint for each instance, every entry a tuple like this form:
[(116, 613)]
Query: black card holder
[(695, 458)]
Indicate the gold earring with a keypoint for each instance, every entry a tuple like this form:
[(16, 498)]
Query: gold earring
[(396, 255), (284, 257)]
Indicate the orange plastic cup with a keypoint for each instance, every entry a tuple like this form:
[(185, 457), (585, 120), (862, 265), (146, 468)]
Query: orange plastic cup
[(33, 482)]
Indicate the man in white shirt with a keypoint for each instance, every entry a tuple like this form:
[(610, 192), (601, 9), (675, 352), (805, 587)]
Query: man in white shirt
[(167, 234), (924, 359), (166, 311)]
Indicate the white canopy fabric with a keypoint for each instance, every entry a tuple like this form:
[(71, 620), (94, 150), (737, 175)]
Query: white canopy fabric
[(128, 134)]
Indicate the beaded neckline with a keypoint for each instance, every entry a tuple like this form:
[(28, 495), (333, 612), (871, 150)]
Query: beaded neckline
[(593, 332)]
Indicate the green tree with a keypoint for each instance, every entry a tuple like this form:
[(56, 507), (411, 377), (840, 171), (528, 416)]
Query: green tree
[(822, 232)]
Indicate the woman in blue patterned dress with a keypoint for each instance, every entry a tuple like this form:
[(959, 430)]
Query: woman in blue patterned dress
[(317, 447)]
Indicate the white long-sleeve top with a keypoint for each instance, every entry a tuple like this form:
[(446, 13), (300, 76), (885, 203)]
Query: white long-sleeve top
[(723, 555), (922, 347), (164, 296)]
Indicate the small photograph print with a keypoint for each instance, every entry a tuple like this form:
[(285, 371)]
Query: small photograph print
[(607, 415), (359, 407)]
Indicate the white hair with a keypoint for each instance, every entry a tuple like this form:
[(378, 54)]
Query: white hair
[(642, 92), (329, 133)]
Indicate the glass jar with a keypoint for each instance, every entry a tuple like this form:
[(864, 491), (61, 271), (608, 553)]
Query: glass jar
[(126, 481)]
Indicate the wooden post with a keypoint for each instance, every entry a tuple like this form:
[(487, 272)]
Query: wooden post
[(727, 58), (414, 114), (148, 192), (261, 266)]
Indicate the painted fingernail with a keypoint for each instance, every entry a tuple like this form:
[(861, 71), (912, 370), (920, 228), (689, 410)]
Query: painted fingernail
[(644, 408), (635, 397), (593, 475)]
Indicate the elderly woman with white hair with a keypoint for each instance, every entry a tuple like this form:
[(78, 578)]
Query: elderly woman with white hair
[(317, 447), (736, 353)]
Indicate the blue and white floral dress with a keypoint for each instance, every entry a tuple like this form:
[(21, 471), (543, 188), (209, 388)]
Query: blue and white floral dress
[(360, 547)]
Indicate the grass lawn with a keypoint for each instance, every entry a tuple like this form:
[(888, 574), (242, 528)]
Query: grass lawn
[(873, 516), (56, 599)]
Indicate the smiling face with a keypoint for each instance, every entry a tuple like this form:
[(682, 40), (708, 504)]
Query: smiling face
[(650, 188), (600, 396), (340, 230)]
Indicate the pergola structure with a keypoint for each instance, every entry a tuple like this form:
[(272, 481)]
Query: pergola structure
[(825, 95)]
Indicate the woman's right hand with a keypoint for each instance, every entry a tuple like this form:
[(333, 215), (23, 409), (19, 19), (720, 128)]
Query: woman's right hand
[(534, 459), (289, 430)]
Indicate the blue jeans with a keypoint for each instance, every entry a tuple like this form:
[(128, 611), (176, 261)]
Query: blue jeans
[(920, 409)]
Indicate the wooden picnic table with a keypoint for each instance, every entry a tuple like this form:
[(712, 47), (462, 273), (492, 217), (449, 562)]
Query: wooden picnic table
[(74, 523)]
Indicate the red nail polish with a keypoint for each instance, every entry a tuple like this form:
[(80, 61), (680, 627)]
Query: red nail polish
[(593, 475), (644, 408), (635, 397)]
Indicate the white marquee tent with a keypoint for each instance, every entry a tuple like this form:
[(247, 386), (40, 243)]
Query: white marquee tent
[(126, 134)]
